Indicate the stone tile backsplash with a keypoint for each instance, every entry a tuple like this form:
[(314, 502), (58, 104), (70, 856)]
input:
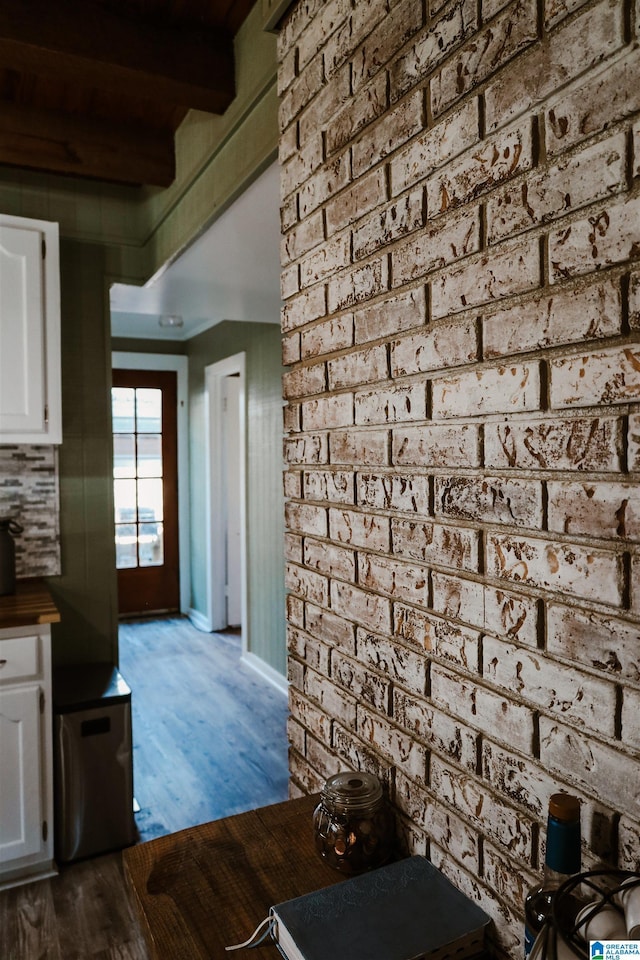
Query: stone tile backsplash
[(29, 494)]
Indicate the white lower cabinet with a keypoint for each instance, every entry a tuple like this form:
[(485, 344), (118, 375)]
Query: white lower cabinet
[(26, 767)]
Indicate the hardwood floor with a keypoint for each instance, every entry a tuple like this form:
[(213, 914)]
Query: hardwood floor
[(209, 741)]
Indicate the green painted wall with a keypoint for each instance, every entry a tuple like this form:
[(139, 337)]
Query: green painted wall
[(86, 592), (265, 499)]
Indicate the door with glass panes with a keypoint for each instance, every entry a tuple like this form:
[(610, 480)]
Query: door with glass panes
[(145, 489)]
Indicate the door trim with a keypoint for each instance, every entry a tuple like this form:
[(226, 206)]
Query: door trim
[(179, 364), (216, 600)]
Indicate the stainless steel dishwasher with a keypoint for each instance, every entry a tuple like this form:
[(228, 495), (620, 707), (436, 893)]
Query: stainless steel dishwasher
[(93, 761)]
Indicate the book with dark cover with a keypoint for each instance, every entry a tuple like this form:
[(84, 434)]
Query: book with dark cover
[(405, 910)]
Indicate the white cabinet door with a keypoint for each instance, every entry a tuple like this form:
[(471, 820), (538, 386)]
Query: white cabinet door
[(29, 332), (20, 761)]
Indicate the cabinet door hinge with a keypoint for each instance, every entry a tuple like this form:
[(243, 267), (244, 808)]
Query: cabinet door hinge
[(45, 831), (42, 701)]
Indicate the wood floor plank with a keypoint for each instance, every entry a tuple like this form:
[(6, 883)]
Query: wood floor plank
[(209, 740)]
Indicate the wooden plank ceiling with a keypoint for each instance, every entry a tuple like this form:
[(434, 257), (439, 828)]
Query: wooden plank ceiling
[(97, 88)]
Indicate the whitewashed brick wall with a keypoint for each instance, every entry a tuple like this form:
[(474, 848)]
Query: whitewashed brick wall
[(461, 240)]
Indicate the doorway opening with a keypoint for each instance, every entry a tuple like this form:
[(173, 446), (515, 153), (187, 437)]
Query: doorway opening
[(145, 489), (226, 509)]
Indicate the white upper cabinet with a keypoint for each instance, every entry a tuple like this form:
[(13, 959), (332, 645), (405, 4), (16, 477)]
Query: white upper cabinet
[(30, 401)]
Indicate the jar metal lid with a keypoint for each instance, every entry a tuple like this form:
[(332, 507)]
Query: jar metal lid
[(352, 791)]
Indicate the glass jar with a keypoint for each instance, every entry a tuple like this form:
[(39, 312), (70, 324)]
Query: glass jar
[(352, 823)]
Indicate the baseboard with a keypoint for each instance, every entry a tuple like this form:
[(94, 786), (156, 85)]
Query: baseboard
[(263, 668), (199, 620)]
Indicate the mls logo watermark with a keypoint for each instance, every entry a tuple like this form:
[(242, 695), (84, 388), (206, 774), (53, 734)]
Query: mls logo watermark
[(613, 949)]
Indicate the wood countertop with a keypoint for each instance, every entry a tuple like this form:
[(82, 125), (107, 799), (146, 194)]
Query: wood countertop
[(30, 605), (209, 886)]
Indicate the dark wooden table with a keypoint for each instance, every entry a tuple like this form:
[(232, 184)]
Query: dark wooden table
[(209, 886)]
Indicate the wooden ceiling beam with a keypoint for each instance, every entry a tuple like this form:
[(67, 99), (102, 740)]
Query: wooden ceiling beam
[(92, 45), (56, 142)]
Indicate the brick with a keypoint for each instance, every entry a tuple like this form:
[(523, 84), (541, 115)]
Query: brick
[(305, 647), (367, 448), (286, 71), (296, 735), (306, 518), (359, 529), (593, 104), (488, 164), (575, 46), (484, 53), (288, 144), (290, 348), (301, 166), (291, 418), (391, 132), (489, 500), (299, 93), (365, 685), (433, 47), (503, 389), (487, 608), (329, 559), (582, 443), (606, 644), (445, 241), (358, 112), (436, 446), (293, 547), (327, 336), (333, 411), (330, 17), (403, 311), (519, 780), (364, 17), (325, 261), (359, 284), (401, 217), (441, 639), (361, 607), (295, 610), (487, 710), (436, 347), (629, 844), (390, 491), (635, 134), (441, 732), (327, 181), (602, 377), (391, 405), (567, 316), (361, 366), (330, 99), (312, 449), (598, 509), (506, 877), (332, 699), (634, 301), (295, 23), (607, 237), (440, 822), (581, 699), (331, 486), (303, 381), (435, 147), (556, 10), (289, 281), (597, 172), (356, 755), (309, 715), (435, 543), (634, 584), (302, 238), (586, 761), (394, 744), (633, 441), (399, 580), (394, 31), (402, 665), (364, 195), (307, 584), (508, 270), (289, 212), (327, 626), (292, 483), (304, 308), (591, 574), (470, 797)]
